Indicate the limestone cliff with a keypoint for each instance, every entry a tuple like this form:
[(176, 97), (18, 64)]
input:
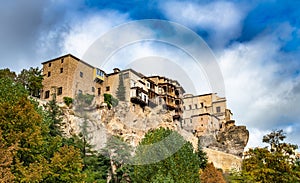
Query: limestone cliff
[(131, 122), (231, 139)]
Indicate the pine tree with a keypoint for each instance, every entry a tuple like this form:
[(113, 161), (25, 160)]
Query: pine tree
[(121, 88)]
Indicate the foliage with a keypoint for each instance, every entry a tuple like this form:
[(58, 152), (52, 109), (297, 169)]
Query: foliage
[(110, 100), (274, 164), (211, 175), (6, 160), (121, 88), (31, 153), (119, 153), (68, 101), (6, 73), (32, 80), (84, 100), (170, 164)]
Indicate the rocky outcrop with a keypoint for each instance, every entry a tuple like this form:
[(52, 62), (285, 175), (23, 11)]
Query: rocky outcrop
[(132, 122), (231, 139)]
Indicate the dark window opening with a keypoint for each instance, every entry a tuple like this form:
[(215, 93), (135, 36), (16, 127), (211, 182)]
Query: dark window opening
[(59, 91), (201, 104), (49, 64), (47, 94), (218, 109), (81, 74), (190, 106), (62, 60), (61, 70), (107, 88), (93, 89), (196, 106), (99, 91), (49, 74)]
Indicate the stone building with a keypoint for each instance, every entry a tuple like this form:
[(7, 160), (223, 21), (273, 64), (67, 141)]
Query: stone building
[(67, 76), (204, 114)]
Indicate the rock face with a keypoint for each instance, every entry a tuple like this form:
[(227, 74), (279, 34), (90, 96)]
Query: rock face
[(232, 139), (132, 122)]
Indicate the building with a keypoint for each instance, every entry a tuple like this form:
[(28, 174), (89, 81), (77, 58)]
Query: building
[(67, 76), (204, 114)]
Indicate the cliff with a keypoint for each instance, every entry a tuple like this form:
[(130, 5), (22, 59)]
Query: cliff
[(132, 122)]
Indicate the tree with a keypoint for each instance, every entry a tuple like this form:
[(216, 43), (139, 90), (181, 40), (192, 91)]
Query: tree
[(211, 175), (159, 159), (7, 73), (276, 163), (121, 88), (32, 80)]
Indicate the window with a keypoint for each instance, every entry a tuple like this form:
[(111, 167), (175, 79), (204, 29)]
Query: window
[(201, 104), (79, 91), (47, 94), (61, 70), (49, 64), (107, 88), (125, 75), (190, 107), (81, 74), (218, 109), (99, 91), (49, 74), (93, 89), (62, 60), (196, 106), (183, 107), (191, 121), (59, 91)]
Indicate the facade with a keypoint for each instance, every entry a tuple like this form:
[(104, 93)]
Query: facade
[(204, 114), (67, 76)]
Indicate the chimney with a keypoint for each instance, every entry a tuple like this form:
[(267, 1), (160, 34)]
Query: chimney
[(116, 70)]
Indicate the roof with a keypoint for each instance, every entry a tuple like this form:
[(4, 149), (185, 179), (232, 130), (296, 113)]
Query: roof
[(70, 55)]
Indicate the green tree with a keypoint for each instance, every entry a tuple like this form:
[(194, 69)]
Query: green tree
[(32, 80), (167, 164), (110, 100), (7, 73), (119, 153), (121, 88), (276, 163), (25, 136)]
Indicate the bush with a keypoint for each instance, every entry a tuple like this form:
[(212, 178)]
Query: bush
[(110, 100), (68, 101)]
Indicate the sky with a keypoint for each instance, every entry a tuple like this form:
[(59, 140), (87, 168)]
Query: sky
[(255, 45)]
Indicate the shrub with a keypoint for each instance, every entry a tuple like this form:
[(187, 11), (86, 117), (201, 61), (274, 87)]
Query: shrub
[(68, 101)]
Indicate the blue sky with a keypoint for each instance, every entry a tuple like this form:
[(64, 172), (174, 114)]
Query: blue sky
[(256, 44)]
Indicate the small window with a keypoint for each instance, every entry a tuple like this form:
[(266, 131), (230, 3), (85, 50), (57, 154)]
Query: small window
[(47, 94), (62, 60), (81, 74), (183, 107), (99, 91), (61, 70), (93, 89), (49, 64), (201, 104), (49, 74), (125, 75), (190, 106), (218, 109), (191, 121), (196, 106), (59, 91), (107, 88)]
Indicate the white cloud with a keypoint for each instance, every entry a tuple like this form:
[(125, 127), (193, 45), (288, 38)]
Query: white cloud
[(222, 19), (259, 92), (84, 31)]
